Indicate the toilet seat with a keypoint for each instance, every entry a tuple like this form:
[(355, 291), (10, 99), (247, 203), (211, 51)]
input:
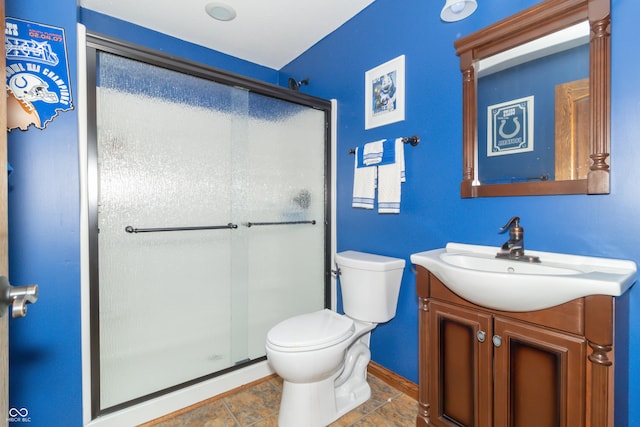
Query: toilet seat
[(310, 331)]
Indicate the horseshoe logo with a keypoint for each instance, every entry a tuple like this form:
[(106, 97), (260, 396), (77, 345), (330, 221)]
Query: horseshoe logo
[(22, 83), (512, 134)]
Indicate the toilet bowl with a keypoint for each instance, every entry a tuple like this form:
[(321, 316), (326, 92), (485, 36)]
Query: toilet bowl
[(323, 356)]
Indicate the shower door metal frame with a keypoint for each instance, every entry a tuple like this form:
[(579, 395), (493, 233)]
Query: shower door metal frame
[(97, 43)]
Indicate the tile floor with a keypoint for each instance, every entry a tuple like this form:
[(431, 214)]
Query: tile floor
[(258, 406)]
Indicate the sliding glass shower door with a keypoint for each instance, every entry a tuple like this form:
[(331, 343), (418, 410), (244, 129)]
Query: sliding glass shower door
[(210, 225)]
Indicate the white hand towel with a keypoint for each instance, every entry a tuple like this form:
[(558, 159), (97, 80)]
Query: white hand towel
[(372, 153), (364, 185), (389, 179)]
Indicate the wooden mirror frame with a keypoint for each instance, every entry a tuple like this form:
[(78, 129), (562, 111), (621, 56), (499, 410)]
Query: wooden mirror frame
[(539, 20)]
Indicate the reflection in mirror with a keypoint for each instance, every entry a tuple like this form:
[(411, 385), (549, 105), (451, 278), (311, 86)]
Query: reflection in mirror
[(536, 102), (517, 108)]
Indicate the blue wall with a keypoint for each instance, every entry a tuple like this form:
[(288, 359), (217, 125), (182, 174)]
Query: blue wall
[(432, 212), (45, 366), (44, 232), (44, 201)]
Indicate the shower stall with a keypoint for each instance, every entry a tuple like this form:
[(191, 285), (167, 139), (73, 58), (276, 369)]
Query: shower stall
[(208, 219)]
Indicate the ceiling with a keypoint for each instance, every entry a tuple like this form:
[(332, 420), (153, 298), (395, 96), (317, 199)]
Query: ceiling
[(266, 32)]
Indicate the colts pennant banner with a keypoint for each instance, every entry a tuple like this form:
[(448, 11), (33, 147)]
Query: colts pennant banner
[(38, 86)]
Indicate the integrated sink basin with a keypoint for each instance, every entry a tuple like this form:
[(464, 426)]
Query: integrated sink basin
[(475, 274)]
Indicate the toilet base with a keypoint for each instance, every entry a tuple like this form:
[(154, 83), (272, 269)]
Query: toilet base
[(352, 388), (319, 404)]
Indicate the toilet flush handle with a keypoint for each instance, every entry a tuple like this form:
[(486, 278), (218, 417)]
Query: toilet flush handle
[(335, 272)]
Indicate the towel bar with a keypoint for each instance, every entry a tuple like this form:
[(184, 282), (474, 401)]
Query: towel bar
[(413, 140), (130, 229), (250, 224)]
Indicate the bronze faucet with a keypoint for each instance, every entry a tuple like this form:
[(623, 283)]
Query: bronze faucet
[(514, 247)]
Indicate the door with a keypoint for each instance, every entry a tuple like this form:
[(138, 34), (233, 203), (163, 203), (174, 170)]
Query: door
[(461, 354), (539, 376), (4, 264), (572, 130), (207, 223)]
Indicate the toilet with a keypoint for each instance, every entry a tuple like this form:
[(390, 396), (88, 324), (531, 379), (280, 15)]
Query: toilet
[(323, 356)]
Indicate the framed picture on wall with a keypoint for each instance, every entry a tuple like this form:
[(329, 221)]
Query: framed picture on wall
[(384, 94), (510, 127)]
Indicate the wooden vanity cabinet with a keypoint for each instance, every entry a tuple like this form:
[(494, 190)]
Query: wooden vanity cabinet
[(487, 368)]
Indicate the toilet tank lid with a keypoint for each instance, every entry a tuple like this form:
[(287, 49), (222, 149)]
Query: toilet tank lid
[(367, 261)]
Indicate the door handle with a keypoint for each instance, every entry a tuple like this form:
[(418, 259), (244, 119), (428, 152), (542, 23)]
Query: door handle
[(16, 296)]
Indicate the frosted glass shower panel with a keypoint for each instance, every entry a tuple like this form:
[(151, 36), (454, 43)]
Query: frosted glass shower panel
[(175, 151), (164, 161), (286, 176)]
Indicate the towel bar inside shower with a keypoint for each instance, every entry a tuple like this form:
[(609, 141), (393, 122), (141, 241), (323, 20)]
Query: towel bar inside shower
[(251, 224), (130, 229)]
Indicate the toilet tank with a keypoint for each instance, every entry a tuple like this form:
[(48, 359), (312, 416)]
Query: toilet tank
[(370, 285)]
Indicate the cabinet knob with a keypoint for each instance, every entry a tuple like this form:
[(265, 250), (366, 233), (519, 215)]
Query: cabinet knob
[(497, 340), (481, 336)]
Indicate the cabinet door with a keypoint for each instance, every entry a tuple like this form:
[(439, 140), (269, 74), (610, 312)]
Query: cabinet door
[(539, 376), (461, 366)]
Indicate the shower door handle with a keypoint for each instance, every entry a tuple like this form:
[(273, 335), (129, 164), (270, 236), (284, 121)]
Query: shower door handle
[(16, 296), (131, 229), (251, 224)]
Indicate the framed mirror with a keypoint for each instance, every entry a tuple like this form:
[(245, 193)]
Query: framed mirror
[(536, 109)]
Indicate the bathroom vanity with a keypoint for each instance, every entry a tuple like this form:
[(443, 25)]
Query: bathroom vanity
[(490, 367)]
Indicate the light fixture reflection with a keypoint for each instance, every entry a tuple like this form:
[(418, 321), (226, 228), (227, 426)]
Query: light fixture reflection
[(455, 10)]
